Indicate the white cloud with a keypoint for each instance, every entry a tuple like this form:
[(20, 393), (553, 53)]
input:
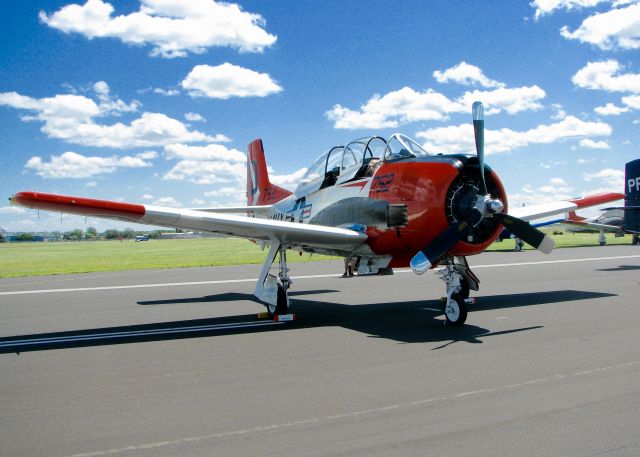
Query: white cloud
[(197, 202), (150, 129), (408, 105), (455, 139), (167, 201), (612, 179), (166, 92), (215, 164), (148, 155), (223, 192), (604, 75), (513, 100), (12, 210), (560, 112), (466, 74), (147, 197), (110, 106), (610, 110), (632, 101), (555, 189), (227, 80), (558, 189), (591, 144), (233, 194), (74, 165), (553, 164), (207, 172), (194, 117), (617, 28), (556, 186), (208, 152), (289, 181), (395, 108), (71, 118), (210, 164), (173, 28), (545, 7)]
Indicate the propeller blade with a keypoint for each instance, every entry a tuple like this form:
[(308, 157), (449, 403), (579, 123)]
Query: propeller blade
[(526, 232), (477, 111), (431, 253)]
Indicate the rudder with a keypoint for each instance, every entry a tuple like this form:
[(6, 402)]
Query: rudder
[(260, 191), (632, 196)]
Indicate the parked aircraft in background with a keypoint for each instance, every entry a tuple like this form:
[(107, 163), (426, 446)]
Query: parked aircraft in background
[(619, 220), (141, 238), (384, 200), (609, 221)]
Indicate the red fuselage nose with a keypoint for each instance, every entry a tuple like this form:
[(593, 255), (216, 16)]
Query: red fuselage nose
[(426, 188)]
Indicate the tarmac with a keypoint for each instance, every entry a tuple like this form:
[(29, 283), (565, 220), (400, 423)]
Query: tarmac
[(177, 362)]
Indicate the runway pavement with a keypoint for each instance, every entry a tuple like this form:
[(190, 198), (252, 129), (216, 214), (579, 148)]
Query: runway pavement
[(176, 362)]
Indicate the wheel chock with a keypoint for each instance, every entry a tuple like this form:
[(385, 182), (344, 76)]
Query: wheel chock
[(284, 317), (263, 315), (470, 301)]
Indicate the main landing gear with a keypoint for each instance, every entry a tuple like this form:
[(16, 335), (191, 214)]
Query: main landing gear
[(459, 280), (272, 290)]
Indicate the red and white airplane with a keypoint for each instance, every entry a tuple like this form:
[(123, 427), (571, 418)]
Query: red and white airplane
[(387, 201)]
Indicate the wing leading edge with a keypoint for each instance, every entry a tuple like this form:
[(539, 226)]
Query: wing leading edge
[(289, 233), (542, 210)]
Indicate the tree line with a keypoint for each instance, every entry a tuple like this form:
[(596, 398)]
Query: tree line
[(91, 233)]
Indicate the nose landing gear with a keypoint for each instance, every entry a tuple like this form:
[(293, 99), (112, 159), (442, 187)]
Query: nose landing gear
[(459, 280)]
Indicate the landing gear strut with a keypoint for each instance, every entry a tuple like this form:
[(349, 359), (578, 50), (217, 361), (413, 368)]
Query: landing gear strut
[(459, 280), (272, 290)]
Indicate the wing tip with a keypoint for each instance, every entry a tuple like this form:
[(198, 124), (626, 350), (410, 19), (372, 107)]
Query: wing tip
[(77, 205), (597, 199)]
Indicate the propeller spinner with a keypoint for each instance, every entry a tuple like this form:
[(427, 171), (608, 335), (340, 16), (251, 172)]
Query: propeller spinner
[(484, 206)]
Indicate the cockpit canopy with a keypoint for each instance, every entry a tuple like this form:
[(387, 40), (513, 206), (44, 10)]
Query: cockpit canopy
[(357, 159)]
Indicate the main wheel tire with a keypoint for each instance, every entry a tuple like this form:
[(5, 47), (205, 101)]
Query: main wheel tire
[(281, 303), (455, 310)]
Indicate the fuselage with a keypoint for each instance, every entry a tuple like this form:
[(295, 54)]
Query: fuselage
[(425, 186)]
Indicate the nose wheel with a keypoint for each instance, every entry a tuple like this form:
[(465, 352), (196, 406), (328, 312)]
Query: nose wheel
[(455, 310), (459, 281)]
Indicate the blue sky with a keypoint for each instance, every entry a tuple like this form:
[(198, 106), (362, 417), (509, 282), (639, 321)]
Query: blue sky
[(155, 101)]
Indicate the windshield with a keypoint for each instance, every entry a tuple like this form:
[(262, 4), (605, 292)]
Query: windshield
[(353, 153), (316, 170), (402, 147)]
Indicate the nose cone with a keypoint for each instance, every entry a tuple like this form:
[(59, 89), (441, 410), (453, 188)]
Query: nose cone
[(495, 206)]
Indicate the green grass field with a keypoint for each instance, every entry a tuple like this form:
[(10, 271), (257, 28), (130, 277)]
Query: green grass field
[(34, 259)]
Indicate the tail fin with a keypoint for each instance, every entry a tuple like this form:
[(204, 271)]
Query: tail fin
[(632, 196), (572, 216), (260, 191)]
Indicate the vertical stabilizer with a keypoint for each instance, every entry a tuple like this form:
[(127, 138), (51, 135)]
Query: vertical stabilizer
[(632, 196), (260, 191), (572, 216)]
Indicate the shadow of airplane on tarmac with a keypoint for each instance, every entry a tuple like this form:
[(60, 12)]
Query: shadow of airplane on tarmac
[(404, 322), (621, 268), (230, 296)]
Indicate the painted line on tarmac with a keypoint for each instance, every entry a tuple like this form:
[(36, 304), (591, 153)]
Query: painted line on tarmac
[(131, 333), (332, 275), (270, 428)]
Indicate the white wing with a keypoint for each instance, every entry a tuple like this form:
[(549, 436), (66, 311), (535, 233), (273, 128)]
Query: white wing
[(528, 213), (316, 237)]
